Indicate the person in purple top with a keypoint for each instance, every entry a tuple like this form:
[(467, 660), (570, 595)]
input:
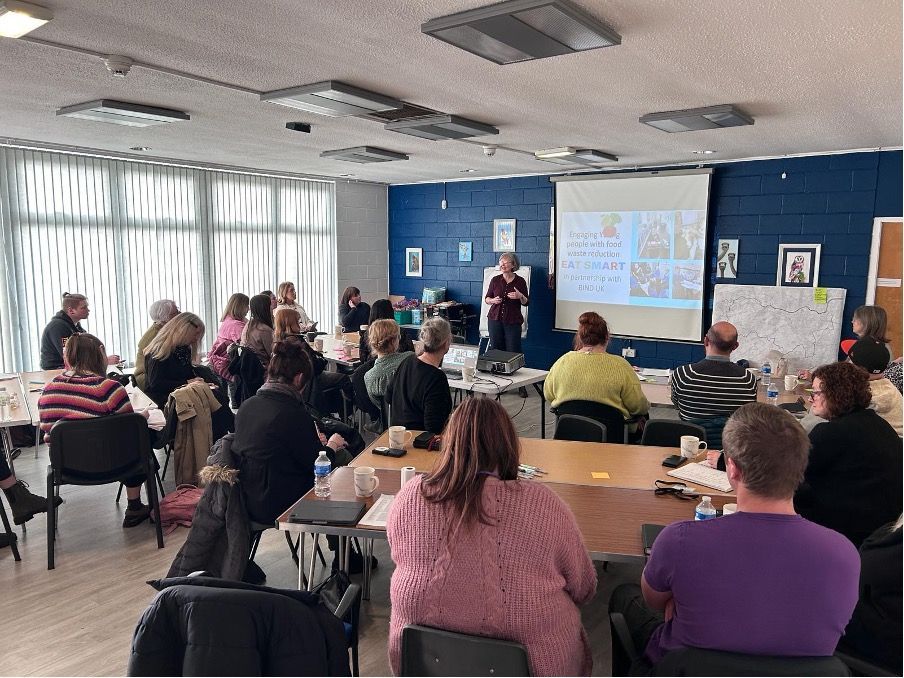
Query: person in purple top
[(762, 581)]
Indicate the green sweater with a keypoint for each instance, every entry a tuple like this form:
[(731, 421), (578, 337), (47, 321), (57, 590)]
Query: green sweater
[(378, 377), (600, 377)]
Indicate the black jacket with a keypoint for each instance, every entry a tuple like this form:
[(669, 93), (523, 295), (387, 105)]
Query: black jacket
[(165, 376), (249, 374), (352, 318), (198, 626), (419, 396), (57, 331), (853, 481)]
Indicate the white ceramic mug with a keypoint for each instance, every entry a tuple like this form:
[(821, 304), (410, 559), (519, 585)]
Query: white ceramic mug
[(408, 473), (790, 382), (690, 446), (366, 482), (399, 437), (728, 509), (467, 374)]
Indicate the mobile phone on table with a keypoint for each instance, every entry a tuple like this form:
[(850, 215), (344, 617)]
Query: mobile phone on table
[(673, 461), (389, 452)]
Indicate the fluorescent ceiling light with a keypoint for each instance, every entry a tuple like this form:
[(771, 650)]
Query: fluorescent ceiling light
[(439, 127), (555, 152), (123, 113), (521, 30), (694, 119), (363, 154), (18, 18), (331, 98)]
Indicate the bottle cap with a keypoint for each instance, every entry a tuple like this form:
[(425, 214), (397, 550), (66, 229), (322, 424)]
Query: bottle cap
[(363, 328), (705, 498)]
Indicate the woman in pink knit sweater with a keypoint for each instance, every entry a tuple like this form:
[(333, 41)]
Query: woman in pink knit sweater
[(478, 551)]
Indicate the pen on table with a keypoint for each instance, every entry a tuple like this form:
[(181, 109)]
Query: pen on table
[(536, 469)]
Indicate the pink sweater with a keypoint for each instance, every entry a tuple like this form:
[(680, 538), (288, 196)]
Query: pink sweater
[(520, 578), (230, 331)]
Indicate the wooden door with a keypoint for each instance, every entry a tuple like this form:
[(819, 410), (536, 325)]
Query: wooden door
[(885, 288)]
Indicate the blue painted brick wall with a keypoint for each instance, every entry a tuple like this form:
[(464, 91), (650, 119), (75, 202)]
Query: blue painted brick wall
[(830, 199)]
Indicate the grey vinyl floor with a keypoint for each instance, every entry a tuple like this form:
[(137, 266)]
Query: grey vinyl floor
[(78, 619)]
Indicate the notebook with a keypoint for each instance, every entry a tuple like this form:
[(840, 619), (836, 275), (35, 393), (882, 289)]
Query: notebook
[(327, 512), (702, 473), (455, 359)]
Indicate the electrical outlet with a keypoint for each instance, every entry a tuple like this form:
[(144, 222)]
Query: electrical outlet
[(628, 352)]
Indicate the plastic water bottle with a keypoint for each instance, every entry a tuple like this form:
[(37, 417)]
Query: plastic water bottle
[(705, 509), (766, 369), (772, 394), (322, 468), (4, 403)]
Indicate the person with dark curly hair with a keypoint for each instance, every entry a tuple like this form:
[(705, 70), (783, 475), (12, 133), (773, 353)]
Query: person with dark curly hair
[(853, 479)]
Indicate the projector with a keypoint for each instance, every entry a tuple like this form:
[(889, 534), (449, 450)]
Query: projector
[(500, 362)]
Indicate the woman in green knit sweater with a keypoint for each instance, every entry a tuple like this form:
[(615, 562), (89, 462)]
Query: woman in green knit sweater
[(589, 373), (383, 336)]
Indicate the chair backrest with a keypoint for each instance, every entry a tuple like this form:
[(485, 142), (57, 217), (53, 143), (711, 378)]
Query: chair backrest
[(713, 427), (607, 415), (433, 652), (668, 432), (576, 427), (692, 661), (861, 667), (100, 444)]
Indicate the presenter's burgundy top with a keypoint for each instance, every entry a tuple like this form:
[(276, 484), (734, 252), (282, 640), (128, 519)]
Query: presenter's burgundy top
[(509, 311)]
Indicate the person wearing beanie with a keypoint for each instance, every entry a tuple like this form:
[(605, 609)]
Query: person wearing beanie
[(872, 356)]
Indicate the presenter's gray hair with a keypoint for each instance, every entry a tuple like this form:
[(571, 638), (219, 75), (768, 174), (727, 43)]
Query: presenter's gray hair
[(162, 310), (512, 258), (435, 333)]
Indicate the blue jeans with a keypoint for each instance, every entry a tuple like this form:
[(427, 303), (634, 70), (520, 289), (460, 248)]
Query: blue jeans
[(504, 337)]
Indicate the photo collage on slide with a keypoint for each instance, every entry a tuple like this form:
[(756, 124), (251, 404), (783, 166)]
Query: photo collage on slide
[(667, 254)]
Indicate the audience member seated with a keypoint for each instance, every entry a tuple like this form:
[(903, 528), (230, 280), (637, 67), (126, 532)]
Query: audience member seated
[(273, 302), (874, 632), (853, 480), (895, 375), (382, 310), (871, 355), (707, 392), (478, 551), (352, 311), (232, 324), (82, 391), (173, 360), (62, 326), (868, 322), (23, 503), (258, 333), (285, 298), (383, 337), (589, 373), (419, 392), (161, 312), (762, 581), (276, 440)]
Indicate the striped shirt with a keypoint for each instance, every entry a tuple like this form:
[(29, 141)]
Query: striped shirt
[(711, 388), (70, 396)]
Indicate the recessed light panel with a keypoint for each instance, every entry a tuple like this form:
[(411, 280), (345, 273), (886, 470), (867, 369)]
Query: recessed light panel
[(439, 127), (123, 113), (521, 30), (333, 99), (19, 18), (695, 119), (363, 154)]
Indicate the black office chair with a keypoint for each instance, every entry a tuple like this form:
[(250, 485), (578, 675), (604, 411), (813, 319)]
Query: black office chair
[(861, 667), (576, 427), (98, 451), (257, 531), (10, 535), (608, 416), (165, 439), (433, 652), (692, 661), (668, 432)]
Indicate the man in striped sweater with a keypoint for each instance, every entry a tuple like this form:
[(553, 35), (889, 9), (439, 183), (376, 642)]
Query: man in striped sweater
[(707, 392)]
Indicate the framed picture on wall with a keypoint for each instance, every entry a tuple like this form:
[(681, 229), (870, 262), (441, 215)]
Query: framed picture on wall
[(465, 251), (798, 265), (414, 262), (503, 235)]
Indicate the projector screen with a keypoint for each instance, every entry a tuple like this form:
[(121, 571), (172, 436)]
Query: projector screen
[(632, 247)]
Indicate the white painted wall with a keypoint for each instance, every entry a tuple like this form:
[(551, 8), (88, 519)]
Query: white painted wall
[(362, 231)]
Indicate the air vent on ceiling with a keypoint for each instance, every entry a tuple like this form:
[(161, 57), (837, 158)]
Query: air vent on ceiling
[(406, 112), (566, 155), (438, 127), (332, 98), (123, 113), (363, 154), (521, 30), (693, 119)]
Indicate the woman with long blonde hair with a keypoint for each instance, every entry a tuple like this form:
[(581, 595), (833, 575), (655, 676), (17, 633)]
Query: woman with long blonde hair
[(173, 355), (230, 332)]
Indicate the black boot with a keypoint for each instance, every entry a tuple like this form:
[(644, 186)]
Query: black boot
[(6, 539), (25, 504)]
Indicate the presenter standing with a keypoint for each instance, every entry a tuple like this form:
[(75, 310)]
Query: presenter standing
[(506, 294)]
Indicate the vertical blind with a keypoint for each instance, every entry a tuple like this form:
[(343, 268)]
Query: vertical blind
[(128, 233)]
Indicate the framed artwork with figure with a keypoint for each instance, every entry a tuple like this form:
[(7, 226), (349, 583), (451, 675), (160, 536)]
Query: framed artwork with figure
[(798, 265), (503, 235), (414, 262)]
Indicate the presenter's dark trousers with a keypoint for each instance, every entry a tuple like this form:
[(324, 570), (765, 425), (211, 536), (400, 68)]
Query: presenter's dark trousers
[(504, 337)]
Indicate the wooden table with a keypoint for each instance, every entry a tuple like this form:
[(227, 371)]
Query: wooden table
[(659, 393), (566, 462)]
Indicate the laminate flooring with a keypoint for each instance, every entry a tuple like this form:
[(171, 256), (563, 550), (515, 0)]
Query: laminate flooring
[(78, 619)]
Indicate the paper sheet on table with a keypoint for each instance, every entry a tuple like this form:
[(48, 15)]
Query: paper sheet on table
[(378, 513), (599, 475), (655, 372)]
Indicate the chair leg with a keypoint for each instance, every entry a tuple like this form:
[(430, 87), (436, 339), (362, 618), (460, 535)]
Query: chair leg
[(9, 533), (293, 547), (168, 451), (51, 518), (119, 493), (151, 486), (255, 541)]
